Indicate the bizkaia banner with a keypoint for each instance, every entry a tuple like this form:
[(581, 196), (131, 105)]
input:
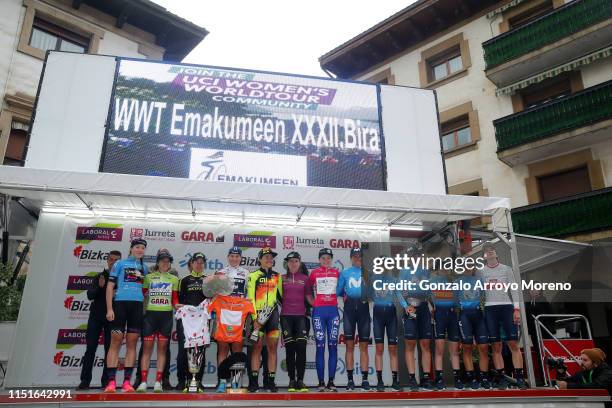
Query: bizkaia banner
[(85, 248), (230, 125)]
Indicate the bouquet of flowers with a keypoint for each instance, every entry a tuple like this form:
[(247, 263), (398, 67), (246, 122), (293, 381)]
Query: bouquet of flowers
[(218, 284)]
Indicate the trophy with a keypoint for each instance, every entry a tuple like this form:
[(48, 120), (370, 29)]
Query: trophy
[(237, 370), (415, 303), (262, 317), (231, 369), (194, 361)]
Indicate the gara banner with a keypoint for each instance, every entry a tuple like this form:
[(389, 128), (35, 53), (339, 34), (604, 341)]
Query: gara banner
[(86, 244), (229, 125)]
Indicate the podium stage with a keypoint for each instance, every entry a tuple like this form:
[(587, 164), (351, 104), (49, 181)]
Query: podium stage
[(533, 398)]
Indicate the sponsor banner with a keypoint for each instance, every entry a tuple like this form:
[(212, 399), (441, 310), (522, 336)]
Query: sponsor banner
[(296, 241), (68, 363), (152, 235), (88, 256), (244, 167), (79, 283), (78, 309), (67, 338), (344, 243), (64, 336), (255, 240), (202, 236), (99, 232), (218, 124)]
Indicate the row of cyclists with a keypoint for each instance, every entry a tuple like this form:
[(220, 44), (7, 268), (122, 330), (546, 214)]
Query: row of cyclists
[(140, 302)]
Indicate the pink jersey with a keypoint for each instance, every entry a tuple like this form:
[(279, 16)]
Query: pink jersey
[(323, 282)]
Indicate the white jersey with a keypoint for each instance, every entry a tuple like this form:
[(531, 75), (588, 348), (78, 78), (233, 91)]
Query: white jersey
[(499, 274), (239, 275), (195, 324)]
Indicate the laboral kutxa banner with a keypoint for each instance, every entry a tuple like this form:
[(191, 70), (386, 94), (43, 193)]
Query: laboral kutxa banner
[(230, 125), (86, 244)]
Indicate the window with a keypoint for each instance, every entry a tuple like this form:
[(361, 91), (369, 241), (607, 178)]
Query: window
[(472, 188), (529, 15), (15, 148), (456, 134), (563, 176), (46, 36), (546, 91), (384, 77), (47, 27), (459, 130), (446, 65), (564, 184), (444, 62)]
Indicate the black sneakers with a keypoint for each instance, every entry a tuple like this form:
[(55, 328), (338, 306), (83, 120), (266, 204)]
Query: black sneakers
[(412, 384), (83, 386), (271, 386)]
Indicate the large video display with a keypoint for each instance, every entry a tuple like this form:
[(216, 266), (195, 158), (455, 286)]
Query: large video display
[(229, 125)]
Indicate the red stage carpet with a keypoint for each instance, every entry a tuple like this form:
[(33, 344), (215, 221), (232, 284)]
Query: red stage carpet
[(542, 397)]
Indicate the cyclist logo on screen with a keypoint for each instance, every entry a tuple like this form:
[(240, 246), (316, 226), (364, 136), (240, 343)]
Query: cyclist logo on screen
[(213, 165)]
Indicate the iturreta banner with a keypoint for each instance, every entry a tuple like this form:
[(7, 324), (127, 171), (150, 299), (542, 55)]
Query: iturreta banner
[(85, 245), (229, 125)]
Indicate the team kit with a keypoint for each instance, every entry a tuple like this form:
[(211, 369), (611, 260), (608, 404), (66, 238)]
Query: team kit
[(236, 308)]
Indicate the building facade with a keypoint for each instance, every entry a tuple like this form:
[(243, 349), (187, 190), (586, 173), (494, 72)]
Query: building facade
[(28, 28), (524, 91)]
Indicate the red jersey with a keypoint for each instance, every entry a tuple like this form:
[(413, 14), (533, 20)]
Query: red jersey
[(230, 313), (322, 282)]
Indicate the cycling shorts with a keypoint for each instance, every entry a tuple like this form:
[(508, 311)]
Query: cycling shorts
[(156, 322), (446, 323), (472, 326), (498, 317), (385, 318), (272, 327), (356, 316), (419, 327), (294, 328), (128, 313)]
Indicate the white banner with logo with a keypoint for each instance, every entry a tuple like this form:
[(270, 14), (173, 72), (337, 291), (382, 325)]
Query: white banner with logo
[(244, 167), (85, 246)]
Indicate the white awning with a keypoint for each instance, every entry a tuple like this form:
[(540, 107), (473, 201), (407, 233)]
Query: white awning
[(553, 72), (492, 14), (160, 197)]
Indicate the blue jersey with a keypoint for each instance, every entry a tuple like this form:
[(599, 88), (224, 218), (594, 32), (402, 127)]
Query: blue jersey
[(469, 299), (381, 294), (417, 294), (442, 297), (128, 276), (350, 283)]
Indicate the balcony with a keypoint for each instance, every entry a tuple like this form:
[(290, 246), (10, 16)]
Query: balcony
[(557, 127), (568, 32), (573, 215)]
